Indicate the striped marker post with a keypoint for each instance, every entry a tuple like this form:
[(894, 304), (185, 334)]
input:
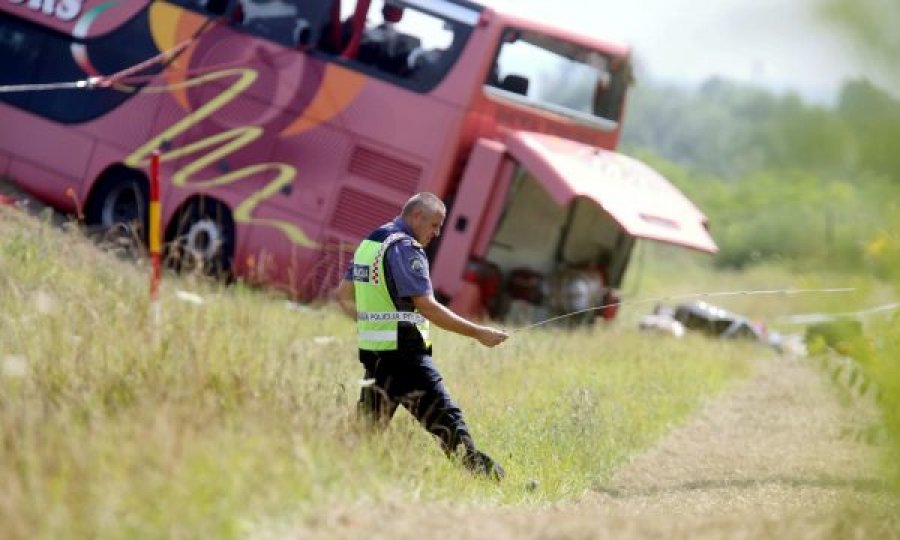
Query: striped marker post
[(153, 236)]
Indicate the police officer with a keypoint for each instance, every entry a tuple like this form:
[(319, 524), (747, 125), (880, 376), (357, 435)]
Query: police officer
[(388, 291)]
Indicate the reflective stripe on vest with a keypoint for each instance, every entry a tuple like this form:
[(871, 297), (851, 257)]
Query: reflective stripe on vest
[(378, 335), (384, 336), (378, 319)]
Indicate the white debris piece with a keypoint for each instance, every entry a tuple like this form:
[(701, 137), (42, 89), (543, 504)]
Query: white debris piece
[(190, 297), (324, 340), (14, 366), (297, 306), (44, 302), (662, 324)]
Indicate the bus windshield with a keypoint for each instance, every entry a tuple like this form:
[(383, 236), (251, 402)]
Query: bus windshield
[(564, 77)]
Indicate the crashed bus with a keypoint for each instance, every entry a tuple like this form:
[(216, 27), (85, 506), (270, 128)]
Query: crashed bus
[(288, 129)]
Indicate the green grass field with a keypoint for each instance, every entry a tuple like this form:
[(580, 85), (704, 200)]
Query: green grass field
[(239, 411)]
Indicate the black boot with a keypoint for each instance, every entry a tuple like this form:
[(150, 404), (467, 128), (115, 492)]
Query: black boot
[(481, 464)]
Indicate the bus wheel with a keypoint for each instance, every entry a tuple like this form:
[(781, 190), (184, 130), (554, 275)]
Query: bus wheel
[(202, 239), (120, 199)]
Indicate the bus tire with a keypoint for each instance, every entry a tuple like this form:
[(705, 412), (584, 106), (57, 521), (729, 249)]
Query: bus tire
[(202, 238), (120, 198)]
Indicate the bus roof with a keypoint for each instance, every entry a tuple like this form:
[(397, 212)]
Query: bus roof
[(503, 13)]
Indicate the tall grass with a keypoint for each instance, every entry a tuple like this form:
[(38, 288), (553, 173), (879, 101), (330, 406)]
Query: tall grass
[(876, 352), (886, 370), (238, 411)]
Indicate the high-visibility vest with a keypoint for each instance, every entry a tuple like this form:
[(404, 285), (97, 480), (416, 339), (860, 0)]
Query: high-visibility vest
[(377, 317)]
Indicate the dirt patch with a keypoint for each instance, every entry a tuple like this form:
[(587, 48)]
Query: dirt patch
[(778, 456)]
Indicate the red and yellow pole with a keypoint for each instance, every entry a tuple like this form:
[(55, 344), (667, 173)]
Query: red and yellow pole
[(153, 236), (154, 232)]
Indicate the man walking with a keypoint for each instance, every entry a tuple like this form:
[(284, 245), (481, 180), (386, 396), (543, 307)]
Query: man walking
[(388, 291)]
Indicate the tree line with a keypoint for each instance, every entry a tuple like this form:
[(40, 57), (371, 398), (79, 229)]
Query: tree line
[(780, 178)]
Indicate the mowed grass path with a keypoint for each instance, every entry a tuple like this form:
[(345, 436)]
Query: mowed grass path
[(779, 455), (238, 412)]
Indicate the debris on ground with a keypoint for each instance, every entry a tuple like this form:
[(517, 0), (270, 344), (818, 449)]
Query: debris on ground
[(189, 297), (715, 321), (663, 321)]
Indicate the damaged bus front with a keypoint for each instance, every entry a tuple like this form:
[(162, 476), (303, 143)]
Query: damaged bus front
[(545, 214), (549, 225)]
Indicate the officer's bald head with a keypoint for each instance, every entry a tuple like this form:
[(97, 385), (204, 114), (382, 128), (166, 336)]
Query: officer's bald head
[(424, 213), (428, 203)]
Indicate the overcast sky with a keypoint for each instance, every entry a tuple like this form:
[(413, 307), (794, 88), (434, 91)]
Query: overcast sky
[(779, 44)]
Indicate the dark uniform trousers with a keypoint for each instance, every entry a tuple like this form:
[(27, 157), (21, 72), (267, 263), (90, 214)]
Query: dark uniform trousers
[(411, 379)]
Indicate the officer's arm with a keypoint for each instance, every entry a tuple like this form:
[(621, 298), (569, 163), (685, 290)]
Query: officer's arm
[(346, 297), (437, 313)]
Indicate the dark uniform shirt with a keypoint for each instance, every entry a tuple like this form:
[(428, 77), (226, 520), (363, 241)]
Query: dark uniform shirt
[(407, 266)]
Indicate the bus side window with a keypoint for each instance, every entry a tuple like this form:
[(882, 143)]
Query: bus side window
[(20, 51), (408, 44), (209, 7), (292, 23), (398, 42), (34, 54), (217, 7)]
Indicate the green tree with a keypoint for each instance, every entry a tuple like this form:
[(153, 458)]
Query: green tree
[(871, 25), (873, 120), (731, 130)]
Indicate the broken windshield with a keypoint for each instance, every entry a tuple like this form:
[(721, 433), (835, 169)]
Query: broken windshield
[(564, 77)]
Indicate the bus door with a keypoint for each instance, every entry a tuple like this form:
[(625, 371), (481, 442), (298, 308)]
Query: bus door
[(476, 209)]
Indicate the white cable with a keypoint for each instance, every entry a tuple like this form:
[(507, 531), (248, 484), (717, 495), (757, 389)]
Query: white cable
[(687, 296)]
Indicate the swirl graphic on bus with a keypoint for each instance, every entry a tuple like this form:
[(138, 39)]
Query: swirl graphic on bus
[(238, 108)]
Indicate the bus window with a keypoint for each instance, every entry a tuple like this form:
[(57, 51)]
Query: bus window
[(404, 43), (20, 50), (209, 7), (528, 65), (292, 23), (30, 54)]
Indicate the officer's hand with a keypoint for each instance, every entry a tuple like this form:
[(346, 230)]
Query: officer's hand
[(491, 337)]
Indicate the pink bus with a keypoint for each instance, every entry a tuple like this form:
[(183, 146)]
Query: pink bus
[(288, 129)]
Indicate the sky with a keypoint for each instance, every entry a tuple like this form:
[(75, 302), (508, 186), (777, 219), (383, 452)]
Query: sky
[(778, 44)]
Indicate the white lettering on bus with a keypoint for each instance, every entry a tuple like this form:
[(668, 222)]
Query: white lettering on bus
[(68, 9), (65, 10)]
